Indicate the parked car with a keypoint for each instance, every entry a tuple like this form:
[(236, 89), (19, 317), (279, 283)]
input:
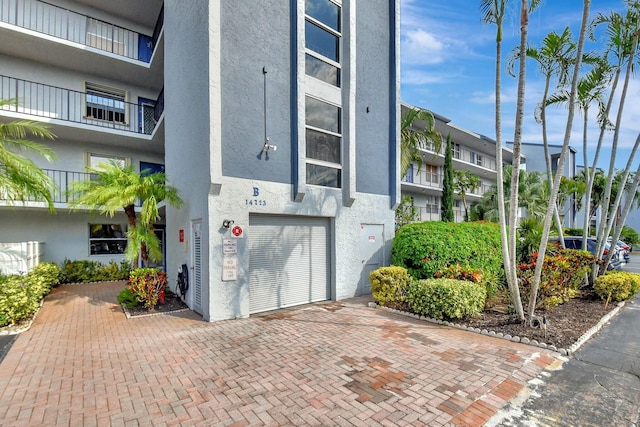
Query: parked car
[(575, 242), (623, 248)]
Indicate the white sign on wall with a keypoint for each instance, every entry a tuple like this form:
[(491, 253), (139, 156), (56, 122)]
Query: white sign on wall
[(229, 268)]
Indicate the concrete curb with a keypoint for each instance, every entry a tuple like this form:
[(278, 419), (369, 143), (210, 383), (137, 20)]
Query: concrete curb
[(563, 351)]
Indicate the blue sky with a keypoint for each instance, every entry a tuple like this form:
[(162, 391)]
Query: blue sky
[(448, 67)]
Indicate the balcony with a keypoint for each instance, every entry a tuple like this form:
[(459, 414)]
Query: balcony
[(47, 33), (463, 158), (63, 181), (72, 114)]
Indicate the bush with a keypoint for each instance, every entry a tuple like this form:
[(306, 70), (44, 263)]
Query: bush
[(389, 285), (617, 285), (146, 284), (126, 298), (84, 271), (573, 231), (426, 248), (445, 298), (458, 272), (563, 272), (629, 236), (20, 296)]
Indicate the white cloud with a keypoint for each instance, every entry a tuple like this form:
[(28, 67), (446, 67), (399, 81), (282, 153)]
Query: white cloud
[(419, 77), (421, 47)]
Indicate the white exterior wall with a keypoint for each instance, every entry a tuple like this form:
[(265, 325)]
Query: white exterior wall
[(66, 235)]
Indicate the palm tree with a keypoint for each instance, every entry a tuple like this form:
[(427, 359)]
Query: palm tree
[(561, 161), (414, 138), (114, 187), (554, 58), (591, 89), (463, 182), (623, 42), (20, 178), (493, 12)]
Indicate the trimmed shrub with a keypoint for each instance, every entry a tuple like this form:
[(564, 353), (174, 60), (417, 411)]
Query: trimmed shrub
[(446, 298), (458, 272), (20, 296), (84, 271), (146, 284), (426, 248), (572, 231), (389, 285), (617, 285), (563, 272)]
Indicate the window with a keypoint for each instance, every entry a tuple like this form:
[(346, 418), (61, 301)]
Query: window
[(480, 161), (104, 103), (106, 37), (323, 143), (107, 239), (94, 160), (455, 148), (322, 39), (147, 168)]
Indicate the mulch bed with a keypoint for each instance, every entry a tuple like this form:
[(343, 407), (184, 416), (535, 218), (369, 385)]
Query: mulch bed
[(172, 304), (566, 323)]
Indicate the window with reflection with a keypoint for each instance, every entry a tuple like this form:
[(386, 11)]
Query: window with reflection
[(322, 40)]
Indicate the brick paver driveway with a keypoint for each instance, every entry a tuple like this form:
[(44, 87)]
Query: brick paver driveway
[(83, 363)]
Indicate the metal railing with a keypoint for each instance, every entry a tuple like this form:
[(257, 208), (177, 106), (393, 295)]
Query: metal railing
[(104, 111), (63, 183), (423, 178), (467, 156), (55, 21), (432, 213)]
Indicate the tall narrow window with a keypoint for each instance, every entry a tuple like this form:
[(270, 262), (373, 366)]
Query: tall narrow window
[(323, 119), (323, 143), (322, 35)]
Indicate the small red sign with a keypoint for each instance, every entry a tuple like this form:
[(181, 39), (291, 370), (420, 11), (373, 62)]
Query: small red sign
[(237, 231), (181, 235)]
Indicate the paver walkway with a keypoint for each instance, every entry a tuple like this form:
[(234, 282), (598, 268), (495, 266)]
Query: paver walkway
[(83, 363)]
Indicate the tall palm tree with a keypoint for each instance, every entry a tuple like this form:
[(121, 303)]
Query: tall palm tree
[(494, 12), (591, 89), (116, 187), (561, 161), (622, 35), (20, 178), (464, 182), (554, 58), (415, 137)]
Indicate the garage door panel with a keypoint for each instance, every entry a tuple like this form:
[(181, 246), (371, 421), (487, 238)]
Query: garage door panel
[(288, 261)]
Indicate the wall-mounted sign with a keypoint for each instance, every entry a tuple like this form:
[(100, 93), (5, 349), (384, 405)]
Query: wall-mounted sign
[(237, 231), (229, 246), (181, 235), (229, 268)]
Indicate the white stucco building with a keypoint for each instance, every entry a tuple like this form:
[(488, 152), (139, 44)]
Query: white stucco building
[(471, 151), (277, 121)]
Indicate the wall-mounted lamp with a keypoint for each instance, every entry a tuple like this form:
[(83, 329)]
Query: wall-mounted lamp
[(227, 223), (266, 148)]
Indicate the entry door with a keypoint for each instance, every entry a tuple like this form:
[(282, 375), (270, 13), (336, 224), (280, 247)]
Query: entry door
[(371, 253), (146, 121), (196, 242)]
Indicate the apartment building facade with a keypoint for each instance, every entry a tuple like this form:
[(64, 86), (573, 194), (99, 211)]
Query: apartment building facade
[(277, 121), (470, 151)]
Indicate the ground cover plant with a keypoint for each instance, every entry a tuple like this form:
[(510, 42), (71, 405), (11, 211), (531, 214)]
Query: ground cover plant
[(85, 271)]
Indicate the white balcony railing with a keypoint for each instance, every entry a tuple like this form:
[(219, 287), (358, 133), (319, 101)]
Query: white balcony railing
[(37, 99), (55, 21)]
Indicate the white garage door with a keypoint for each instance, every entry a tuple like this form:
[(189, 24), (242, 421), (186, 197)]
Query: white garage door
[(289, 261)]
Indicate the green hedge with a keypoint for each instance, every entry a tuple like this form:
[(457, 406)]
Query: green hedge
[(84, 271), (20, 296), (389, 285), (426, 248), (617, 285), (446, 298)]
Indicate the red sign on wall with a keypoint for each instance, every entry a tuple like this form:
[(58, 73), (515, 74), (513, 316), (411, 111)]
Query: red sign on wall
[(181, 235)]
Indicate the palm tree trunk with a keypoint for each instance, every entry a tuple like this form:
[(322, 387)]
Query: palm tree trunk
[(605, 226), (130, 211), (556, 182), (514, 290)]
